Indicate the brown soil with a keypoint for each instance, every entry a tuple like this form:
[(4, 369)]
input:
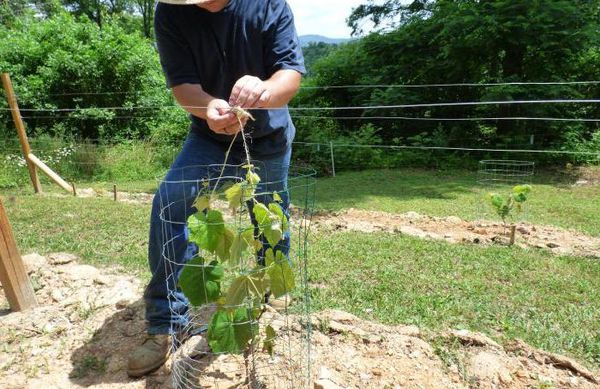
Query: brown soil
[(455, 230), (89, 320)]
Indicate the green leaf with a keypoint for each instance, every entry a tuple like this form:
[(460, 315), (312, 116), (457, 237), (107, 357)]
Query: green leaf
[(205, 229), (231, 331), (241, 242), (262, 214), (277, 198), (224, 245), (200, 283), (251, 286), (520, 198), (269, 343), (280, 273), (252, 178), (202, 202), (520, 193), (209, 233), (234, 196), (277, 210), (526, 189), (495, 199), (269, 224)]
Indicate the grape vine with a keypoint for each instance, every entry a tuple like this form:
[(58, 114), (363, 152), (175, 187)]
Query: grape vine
[(220, 275), (506, 207)]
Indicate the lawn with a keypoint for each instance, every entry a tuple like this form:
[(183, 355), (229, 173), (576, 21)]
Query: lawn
[(554, 200), (550, 302)]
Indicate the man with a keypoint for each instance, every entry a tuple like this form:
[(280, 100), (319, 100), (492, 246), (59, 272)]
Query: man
[(216, 54)]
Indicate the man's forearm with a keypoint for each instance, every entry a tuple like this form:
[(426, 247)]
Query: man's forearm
[(283, 86), (193, 99)]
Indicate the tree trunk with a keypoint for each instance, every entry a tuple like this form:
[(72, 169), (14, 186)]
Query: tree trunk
[(98, 14)]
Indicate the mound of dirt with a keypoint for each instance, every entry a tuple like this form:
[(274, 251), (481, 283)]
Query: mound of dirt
[(89, 320), (455, 230)]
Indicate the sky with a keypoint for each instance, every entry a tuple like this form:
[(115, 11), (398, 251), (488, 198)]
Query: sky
[(323, 17)]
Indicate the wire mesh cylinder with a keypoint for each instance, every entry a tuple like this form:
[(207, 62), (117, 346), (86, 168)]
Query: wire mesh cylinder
[(505, 172), (500, 177), (277, 354)]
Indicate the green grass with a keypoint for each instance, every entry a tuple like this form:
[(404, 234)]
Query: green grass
[(554, 200), (550, 302), (101, 231)]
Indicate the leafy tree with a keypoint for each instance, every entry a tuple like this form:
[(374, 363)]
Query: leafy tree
[(12, 9), (94, 9), (146, 9), (466, 41), (314, 51), (387, 15), (65, 63)]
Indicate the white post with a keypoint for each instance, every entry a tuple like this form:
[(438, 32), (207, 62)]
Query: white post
[(332, 158)]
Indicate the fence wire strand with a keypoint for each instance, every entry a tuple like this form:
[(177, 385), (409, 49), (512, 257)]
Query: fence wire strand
[(340, 108), (373, 86)]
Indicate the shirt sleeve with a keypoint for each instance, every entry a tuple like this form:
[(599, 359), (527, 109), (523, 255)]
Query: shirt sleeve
[(281, 43), (175, 54)]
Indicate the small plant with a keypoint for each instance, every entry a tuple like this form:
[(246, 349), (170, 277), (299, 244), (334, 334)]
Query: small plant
[(239, 261), (507, 207), (234, 325)]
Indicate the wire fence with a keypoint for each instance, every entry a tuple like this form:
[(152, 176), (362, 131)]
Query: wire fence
[(107, 159), (344, 108), (369, 86), (128, 164)]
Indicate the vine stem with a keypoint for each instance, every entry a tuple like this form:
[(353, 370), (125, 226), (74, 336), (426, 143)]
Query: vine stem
[(224, 165), (239, 114)]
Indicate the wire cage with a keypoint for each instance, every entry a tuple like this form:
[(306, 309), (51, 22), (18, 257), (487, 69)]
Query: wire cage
[(219, 339), (505, 172), (499, 177)]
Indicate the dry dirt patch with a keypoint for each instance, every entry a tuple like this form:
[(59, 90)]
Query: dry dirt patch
[(89, 320), (455, 230)]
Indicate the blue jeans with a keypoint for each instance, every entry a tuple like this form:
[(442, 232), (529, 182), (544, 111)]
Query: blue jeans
[(169, 249)]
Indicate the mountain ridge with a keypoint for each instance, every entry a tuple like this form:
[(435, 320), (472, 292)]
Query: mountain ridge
[(316, 38)]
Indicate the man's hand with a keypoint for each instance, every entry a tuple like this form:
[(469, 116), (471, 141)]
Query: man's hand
[(250, 92), (220, 119)]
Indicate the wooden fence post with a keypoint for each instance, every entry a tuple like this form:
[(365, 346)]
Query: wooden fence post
[(16, 115), (332, 158), (13, 274)]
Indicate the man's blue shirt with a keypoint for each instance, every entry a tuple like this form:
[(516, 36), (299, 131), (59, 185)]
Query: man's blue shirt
[(248, 37)]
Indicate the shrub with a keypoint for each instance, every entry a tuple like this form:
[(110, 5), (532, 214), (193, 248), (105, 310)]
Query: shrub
[(63, 62)]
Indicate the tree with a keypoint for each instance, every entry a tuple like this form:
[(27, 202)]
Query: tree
[(388, 15), (314, 51), (466, 41), (94, 9), (146, 9), (108, 68)]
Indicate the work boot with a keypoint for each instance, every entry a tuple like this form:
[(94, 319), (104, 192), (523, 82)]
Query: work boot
[(151, 355)]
